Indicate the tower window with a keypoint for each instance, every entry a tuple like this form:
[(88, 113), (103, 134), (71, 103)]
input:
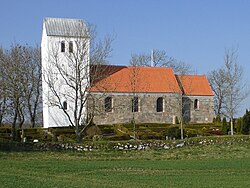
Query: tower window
[(62, 46), (108, 104), (65, 105), (135, 104), (70, 47), (196, 104), (159, 104)]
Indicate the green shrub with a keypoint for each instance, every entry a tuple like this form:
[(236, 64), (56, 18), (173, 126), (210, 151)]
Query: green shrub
[(93, 130), (66, 138), (61, 130), (30, 134), (238, 125), (224, 128), (5, 133), (201, 125), (97, 138), (106, 129), (149, 135), (5, 130), (190, 132), (63, 134), (202, 131), (173, 133), (121, 130), (246, 123), (116, 138), (46, 137), (218, 118)]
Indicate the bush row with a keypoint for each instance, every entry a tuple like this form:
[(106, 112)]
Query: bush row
[(146, 131)]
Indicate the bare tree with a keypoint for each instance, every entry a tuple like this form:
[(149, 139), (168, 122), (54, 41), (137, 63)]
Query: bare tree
[(13, 73), (3, 100), (236, 88), (20, 85), (183, 101), (3, 94), (217, 80), (228, 86), (134, 81), (68, 78), (159, 58), (32, 80)]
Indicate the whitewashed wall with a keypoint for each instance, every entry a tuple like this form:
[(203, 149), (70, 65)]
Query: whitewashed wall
[(53, 116)]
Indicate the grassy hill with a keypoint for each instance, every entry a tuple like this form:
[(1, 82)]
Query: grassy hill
[(201, 163)]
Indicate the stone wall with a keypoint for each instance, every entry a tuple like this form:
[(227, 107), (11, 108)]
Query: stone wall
[(204, 111), (122, 108)]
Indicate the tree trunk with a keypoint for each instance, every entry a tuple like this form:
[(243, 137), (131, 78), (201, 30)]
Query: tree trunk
[(78, 137), (13, 127), (134, 128), (231, 109), (20, 119), (232, 126), (2, 111), (182, 132), (33, 121), (78, 134), (32, 114)]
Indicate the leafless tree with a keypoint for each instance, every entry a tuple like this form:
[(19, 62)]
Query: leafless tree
[(228, 86), (71, 75), (217, 80), (3, 94), (20, 85), (13, 76), (159, 58), (134, 81), (32, 80), (183, 103), (236, 88)]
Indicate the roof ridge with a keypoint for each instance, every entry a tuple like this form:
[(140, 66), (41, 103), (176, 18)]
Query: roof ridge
[(46, 18), (191, 75)]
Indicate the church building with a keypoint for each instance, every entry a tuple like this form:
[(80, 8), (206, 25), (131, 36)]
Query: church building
[(147, 94), (151, 95)]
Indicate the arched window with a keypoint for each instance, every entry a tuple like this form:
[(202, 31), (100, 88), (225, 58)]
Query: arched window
[(196, 104), (108, 104), (65, 105), (63, 46), (135, 104), (70, 47), (159, 104)]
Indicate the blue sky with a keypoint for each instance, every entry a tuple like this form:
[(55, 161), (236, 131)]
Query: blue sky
[(196, 32)]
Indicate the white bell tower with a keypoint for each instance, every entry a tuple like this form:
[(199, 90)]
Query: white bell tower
[(65, 42)]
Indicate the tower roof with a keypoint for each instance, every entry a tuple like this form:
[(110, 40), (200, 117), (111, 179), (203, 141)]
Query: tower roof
[(65, 27)]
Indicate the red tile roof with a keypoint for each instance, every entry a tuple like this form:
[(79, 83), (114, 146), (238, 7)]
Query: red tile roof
[(136, 79), (195, 85)]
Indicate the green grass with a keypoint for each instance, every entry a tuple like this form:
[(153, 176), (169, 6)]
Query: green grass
[(218, 165), (56, 172)]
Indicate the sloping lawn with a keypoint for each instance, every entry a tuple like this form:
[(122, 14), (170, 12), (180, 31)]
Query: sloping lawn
[(198, 166)]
